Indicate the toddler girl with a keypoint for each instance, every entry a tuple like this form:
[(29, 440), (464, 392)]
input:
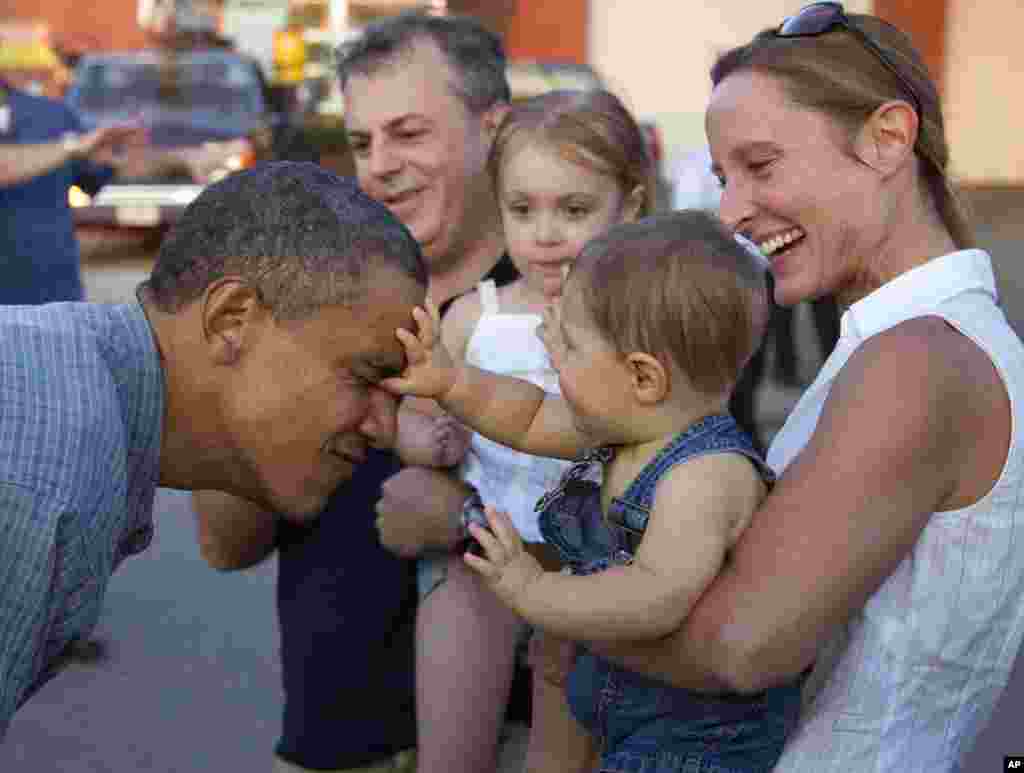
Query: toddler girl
[(566, 166)]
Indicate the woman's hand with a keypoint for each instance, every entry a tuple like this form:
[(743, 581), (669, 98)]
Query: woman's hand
[(505, 565), (430, 370)]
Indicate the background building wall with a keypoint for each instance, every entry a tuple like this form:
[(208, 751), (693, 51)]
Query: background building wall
[(656, 54), (984, 69), (106, 24)]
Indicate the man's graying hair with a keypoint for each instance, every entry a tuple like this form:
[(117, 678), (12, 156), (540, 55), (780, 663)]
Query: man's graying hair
[(300, 235), (474, 53)]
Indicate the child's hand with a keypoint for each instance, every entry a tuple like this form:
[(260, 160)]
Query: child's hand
[(505, 565), (551, 657), (429, 371), (550, 333), (451, 439)]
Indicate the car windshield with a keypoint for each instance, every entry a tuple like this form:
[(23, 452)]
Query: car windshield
[(216, 85)]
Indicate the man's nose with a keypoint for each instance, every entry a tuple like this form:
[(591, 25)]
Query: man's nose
[(383, 162), (380, 424)]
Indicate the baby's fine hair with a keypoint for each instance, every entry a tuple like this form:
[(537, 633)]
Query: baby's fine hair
[(680, 287), (590, 128)]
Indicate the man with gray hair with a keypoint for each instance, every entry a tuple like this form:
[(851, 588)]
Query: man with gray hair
[(249, 364), (424, 96)]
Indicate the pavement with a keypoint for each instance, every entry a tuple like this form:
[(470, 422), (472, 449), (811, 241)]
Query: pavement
[(186, 677)]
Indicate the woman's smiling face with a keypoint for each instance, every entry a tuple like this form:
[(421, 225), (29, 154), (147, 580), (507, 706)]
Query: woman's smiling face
[(791, 184)]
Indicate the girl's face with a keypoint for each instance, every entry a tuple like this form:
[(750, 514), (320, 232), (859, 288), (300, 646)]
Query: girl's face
[(791, 184), (551, 207)]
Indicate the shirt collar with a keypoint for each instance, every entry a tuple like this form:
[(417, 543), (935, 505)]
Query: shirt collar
[(921, 288)]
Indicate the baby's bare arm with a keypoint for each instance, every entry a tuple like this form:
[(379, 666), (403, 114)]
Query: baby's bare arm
[(700, 508), (511, 411)]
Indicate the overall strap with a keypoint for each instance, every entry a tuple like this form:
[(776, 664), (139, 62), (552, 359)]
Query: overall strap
[(714, 434)]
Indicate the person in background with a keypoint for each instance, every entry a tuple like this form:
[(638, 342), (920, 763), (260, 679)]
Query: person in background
[(424, 97), (43, 152), (886, 556), (249, 364)]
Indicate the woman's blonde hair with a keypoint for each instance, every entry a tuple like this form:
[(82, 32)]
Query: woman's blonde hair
[(838, 75), (590, 128)]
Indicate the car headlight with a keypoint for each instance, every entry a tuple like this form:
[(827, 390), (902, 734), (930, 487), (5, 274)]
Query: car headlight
[(242, 157), (78, 198)]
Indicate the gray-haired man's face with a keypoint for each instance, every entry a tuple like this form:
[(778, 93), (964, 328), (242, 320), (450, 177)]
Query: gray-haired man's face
[(417, 148)]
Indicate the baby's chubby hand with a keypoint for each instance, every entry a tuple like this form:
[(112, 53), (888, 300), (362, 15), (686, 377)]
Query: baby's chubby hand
[(505, 565), (451, 438), (429, 369)]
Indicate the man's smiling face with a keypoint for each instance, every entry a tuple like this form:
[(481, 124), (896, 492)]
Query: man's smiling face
[(417, 147)]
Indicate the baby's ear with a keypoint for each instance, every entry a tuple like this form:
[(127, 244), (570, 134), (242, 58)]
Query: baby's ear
[(650, 379)]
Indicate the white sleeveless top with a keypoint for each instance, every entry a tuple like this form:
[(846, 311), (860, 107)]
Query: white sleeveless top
[(913, 678), (510, 480)]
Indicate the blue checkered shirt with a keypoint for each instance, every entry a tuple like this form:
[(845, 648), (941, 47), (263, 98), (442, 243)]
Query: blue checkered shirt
[(81, 411)]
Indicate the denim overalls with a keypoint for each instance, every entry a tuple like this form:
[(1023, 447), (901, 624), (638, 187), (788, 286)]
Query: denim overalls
[(645, 725)]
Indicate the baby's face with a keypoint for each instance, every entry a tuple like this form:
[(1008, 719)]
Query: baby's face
[(593, 376)]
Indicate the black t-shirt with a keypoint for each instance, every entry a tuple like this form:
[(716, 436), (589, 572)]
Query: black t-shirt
[(347, 612)]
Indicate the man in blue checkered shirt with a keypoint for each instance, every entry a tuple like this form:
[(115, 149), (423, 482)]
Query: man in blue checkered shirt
[(249, 364)]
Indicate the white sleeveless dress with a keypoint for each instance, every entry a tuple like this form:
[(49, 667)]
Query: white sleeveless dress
[(510, 480)]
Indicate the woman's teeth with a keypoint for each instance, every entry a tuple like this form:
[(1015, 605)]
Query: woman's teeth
[(776, 243)]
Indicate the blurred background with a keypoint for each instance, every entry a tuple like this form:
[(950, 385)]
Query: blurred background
[(178, 683)]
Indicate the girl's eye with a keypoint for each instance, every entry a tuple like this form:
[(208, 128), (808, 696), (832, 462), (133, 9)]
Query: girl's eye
[(760, 166), (519, 210), (577, 212), (411, 134)]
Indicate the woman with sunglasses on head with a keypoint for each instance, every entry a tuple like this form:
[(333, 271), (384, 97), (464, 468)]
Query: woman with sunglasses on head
[(887, 557)]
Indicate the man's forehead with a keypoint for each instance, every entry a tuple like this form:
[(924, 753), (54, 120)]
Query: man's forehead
[(408, 83)]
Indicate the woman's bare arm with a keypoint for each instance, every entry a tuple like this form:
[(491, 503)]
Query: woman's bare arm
[(888, 451)]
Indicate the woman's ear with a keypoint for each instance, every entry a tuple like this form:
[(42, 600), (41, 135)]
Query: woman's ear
[(650, 379), (886, 140), (634, 204), (231, 314)]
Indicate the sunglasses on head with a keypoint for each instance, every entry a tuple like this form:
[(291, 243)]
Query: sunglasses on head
[(818, 18)]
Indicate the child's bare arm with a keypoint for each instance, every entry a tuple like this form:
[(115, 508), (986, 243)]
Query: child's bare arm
[(511, 411), (699, 510)]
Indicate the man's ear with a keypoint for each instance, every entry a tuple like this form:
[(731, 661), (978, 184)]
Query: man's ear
[(886, 140), (634, 204), (232, 314), (650, 379)]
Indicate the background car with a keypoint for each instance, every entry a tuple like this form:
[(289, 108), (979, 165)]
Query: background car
[(210, 109)]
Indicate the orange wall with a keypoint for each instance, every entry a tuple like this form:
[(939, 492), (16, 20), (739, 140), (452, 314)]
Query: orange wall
[(925, 22), (548, 29), (107, 24)]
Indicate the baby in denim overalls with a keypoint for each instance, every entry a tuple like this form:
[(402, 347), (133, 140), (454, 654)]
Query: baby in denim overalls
[(657, 319)]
